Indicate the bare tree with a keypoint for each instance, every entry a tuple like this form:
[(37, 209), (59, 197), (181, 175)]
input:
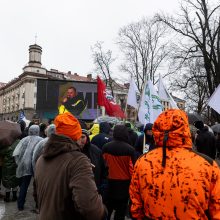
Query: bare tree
[(103, 61), (199, 25), (193, 85), (144, 48)]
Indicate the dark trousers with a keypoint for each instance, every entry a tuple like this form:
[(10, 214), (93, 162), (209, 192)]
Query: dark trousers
[(24, 183), (0, 176), (120, 207)]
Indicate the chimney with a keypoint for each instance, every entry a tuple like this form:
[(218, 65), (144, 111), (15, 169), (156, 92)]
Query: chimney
[(89, 76), (69, 72), (75, 74)]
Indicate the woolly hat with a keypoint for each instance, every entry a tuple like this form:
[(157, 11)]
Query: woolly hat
[(68, 125), (148, 127)]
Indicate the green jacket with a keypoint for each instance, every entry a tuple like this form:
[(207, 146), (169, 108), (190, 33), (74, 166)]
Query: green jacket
[(9, 166)]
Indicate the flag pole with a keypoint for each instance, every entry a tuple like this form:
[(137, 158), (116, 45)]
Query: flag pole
[(103, 110), (126, 106), (97, 111), (139, 104)]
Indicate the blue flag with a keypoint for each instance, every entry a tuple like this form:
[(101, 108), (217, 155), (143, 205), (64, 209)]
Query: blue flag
[(21, 116)]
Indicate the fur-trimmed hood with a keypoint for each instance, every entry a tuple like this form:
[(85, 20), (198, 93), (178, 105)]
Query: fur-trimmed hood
[(58, 144)]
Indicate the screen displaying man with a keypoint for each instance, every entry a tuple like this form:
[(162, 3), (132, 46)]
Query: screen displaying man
[(72, 102)]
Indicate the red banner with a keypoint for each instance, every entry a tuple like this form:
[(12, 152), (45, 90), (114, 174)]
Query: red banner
[(111, 108)]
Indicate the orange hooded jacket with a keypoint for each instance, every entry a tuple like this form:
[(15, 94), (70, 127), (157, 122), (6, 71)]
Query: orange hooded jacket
[(172, 181)]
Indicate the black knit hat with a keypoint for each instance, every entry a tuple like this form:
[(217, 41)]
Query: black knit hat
[(148, 127), (199, 125)]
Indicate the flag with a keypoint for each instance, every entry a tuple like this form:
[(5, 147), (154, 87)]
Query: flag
[(132, 94), (150, 106), (106, 100), (214, 100), (21, 116), (165, 95), (101, 92)]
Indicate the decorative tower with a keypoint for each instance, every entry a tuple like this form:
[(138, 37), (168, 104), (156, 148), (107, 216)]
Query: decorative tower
[(35, 52), (34, 65)]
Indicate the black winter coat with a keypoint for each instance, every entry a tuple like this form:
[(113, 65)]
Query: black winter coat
[(103, 137), (205, 143), (100, 170)]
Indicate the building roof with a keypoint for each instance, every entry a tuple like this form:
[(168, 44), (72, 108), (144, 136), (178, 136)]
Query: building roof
[(15, 80), (176, 99), (77, 77), (2, 84)]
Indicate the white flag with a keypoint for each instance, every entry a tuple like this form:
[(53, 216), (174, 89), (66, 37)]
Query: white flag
[(150, 106), (132, 94), (165, 95), (214, 101)]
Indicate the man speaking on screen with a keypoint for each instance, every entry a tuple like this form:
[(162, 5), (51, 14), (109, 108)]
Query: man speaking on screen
[(72, 103)]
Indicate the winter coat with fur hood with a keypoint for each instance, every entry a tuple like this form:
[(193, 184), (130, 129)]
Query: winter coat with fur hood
[(65, 183)]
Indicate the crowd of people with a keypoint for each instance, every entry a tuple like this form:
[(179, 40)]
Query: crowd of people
[(165, 170)]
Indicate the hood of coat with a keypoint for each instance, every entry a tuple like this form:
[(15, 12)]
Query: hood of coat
[(94, 129), (59, 144), (85, 149), (104, 127), (120, 133), (174, 123), (34, 130), (51, 129)]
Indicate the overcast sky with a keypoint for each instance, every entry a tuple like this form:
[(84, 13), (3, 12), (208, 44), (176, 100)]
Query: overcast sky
[(66, 30)]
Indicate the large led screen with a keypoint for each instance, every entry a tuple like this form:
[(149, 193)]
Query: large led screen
[(79, 98)]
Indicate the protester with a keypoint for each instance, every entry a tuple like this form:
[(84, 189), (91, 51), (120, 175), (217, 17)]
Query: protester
[(94, 130), (1, 164), (9, 180), (64, 180), (217, 137), (95, 155), (23, 158), (173, 181), (119, 157), (51, 129), (42, 130), (193, 132), (145, 141), (23, 127), (133, 137), (205, 140), (103, 137)]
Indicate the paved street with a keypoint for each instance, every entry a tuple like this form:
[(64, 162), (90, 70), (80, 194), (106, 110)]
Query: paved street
[(8, 211)]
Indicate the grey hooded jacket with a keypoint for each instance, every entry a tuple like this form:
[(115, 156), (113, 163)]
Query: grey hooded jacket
[(51, 129), (24, 151)]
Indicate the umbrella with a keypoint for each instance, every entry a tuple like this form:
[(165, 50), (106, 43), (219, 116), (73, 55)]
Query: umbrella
[(192, 117), (112, 120), (9, 132), (216, 128)]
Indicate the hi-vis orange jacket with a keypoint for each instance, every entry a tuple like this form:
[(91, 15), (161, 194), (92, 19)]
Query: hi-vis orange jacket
[(172, 181)]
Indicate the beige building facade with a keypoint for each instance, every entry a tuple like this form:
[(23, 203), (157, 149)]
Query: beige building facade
[(21, 93)]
